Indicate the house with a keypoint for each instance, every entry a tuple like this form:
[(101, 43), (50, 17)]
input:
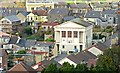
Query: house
[(42, 14), (97, 6), (80, 8), (22, 68), (92, 16), (10, 23), (43, 50), (80, 58), (60, 5), (34, 5), (44, 64), (73, 36), (97, 48), (57, 14), (32, 19), (4, 37), (7, 11), (29, 44), (48, 25), (22, 16), (3, 59), (110, 15)]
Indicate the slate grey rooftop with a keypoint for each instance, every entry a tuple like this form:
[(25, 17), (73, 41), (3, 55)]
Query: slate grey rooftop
[(93, 14), (13, 18), (81, 22)]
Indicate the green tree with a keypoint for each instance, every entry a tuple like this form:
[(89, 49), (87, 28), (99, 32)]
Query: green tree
[(28, 30), (52, 68), (66, 68), (81, 68)]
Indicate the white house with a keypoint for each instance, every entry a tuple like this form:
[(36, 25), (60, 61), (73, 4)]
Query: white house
[(97, 48), (73, 36)]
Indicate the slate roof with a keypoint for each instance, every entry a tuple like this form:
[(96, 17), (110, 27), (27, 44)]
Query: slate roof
[(60, 57), (109, 12), (81, 22), (81, 56), (13, 18), (24, 13), (46, 63), (13, 40), (2, 51), (30, 43), (67, 18), (101, 46), (39, 43), (10, 11), (22, 42), (62, 11), (93, 14), (22, 67)]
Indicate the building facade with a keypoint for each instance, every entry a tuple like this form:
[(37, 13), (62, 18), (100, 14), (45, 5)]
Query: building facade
[(73, 36)]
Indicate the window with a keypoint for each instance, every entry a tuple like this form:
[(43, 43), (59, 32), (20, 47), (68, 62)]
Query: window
[(32, 8), (80, 48), (31, 18), (69, 34), (63, 46), (63, 34), (75, 34), (75, 47), (36, 18)]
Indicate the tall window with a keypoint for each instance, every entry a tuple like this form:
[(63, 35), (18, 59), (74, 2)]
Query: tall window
[(69, 34), (75, 34), (63, 34)]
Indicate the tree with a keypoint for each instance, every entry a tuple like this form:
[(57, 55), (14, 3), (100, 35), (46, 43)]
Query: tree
[(52, 68), (66, 68), (81, 68), (28, 30)]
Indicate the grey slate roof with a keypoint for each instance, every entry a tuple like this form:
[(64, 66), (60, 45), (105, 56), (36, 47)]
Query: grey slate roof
[(25, 13), (13, 18), (81, 22), (10, 11), (60, 57), (62, 11), (109, 12), (81, 56), (30, 43), (67, 18), (22, 42), (46, 63), (13, 40), (93, 14), (39, 43), (101, 46)]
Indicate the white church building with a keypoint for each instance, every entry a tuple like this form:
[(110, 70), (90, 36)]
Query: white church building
[(73, 36)]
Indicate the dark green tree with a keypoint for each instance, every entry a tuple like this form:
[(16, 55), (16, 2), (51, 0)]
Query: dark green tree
[(28, 30), (81, 68), (52, 68), (66, 68)]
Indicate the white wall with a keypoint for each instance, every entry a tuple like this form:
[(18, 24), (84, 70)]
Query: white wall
[(67, 60)]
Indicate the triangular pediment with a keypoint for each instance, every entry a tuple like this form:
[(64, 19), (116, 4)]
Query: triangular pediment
[(70, 24)]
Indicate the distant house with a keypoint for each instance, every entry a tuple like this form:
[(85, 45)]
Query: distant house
[(4, 37), (92, 16), (22, 16), (42, 15), (7, 11), (97, 48), (10, 23), (60, 5), (80, 58), (3, 59), (73, 36), (57, 14), (22, 68), (32, 19), (48, 25), (78, 10)]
